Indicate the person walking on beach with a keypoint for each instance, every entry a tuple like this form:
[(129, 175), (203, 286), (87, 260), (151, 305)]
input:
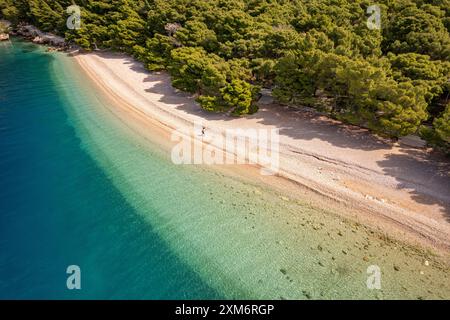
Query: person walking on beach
[(203, 130)]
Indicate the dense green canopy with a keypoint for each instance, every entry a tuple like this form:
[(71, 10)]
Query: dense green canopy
[(320, 53)]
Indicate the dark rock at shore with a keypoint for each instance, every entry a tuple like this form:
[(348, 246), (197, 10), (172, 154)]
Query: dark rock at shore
[(37, 36)]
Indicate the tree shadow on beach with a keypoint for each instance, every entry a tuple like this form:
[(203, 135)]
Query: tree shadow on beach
[(292, 122), (308, 125), (416, 171), (295, 123)]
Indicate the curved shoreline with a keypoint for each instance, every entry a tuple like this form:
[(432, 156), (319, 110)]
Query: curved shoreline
[(355, 189)]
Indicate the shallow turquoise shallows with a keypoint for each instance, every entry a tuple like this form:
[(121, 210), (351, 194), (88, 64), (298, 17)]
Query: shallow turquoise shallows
[(81, 184)]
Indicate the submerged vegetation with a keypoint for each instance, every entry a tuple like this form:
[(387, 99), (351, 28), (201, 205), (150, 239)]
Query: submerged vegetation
[(319, 53)]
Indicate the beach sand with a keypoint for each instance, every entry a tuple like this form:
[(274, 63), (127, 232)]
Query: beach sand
[(400, 191)]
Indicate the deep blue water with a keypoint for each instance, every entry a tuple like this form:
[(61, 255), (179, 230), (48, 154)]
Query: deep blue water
[(58, 208)]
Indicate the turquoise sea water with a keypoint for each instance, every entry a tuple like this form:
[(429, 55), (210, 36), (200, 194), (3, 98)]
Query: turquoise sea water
[(78, 186), (57, 206)]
